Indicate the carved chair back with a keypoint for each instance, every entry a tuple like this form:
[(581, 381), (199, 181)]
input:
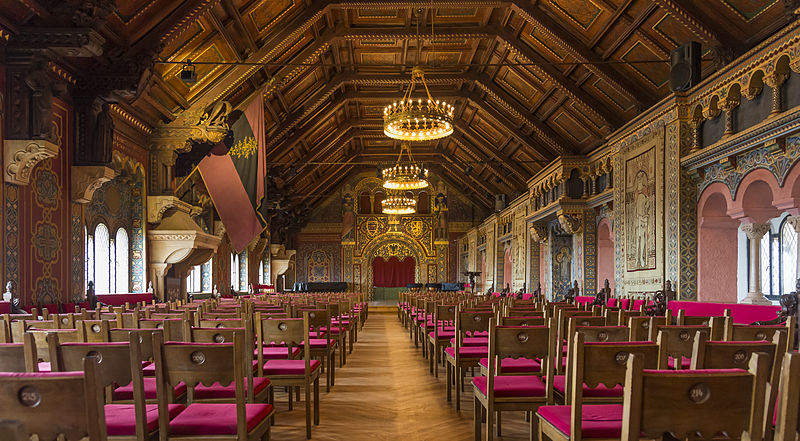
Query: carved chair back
[(228, 335), (531, 342), (685, 403), (642, 327), (96, 330), (194, 363), (734, 332), (19, 357), (787, 427), (38, 400), (173, 328), (289, 332), (522, 321), (677, 342), (596, 363)]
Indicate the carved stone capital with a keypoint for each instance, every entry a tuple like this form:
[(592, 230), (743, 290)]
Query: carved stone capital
[(86, 179), (67, 42), (21, 156), (753, 90), (729, 103), (755, 231), (570, 224), (711, 112), (539, 233), (158, 205)]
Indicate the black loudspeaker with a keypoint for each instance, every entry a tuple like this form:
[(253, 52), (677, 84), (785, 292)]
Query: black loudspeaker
[(684, 67)]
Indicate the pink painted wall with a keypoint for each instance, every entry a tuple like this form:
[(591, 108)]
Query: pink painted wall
[(716, 248), (605, 255)]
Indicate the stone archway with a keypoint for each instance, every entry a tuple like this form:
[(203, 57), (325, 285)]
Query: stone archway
[(392, 245)]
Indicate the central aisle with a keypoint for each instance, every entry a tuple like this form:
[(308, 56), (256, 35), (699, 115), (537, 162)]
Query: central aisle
[(385, 392)]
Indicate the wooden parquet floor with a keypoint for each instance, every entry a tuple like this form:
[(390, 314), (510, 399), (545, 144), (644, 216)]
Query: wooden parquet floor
[(385, 392)]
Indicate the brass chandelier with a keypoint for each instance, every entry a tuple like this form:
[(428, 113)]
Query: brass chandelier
[(397, 203), (405, 175), (420, 119)]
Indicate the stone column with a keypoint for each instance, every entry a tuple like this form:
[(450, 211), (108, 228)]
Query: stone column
[(755, 232), (794, 221), (775, 80)]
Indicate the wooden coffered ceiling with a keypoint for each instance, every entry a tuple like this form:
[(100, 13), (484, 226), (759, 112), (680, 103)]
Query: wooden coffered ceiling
[(530, 80)]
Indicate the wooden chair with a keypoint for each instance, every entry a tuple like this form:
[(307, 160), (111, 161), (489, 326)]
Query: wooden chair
[(173, 328), (589, 334), (684, 403), (444, 317), (303, 373), (677, 343), (594, 367), (117, 363), (736, 355), (96, 330), (37, 400), (124, 394), (258, 390), (196, 363), (733, 332), (641, 327), (571, 322), (458, 356), (323, 348), (787, 415), (338, 332), (42, 347), (19, 357), (498, 391)]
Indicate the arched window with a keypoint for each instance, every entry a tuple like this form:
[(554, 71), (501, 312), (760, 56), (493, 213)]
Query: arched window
[(107, 260), (778, 259), (193, 281), (102, 260), (235, 271), (122, 261), (364, 204), (377, 203), (423, 203)]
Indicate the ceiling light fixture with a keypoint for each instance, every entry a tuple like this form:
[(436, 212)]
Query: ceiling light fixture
[(421, 119), (397, 203), (405, 175)]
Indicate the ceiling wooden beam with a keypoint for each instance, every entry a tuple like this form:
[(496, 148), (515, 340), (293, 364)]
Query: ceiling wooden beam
[(706, 30)]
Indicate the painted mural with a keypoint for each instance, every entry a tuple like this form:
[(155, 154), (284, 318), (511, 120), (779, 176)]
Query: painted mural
[(640, 211), (561, 248)]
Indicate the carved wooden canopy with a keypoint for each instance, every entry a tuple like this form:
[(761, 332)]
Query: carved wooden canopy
[(531, 80)]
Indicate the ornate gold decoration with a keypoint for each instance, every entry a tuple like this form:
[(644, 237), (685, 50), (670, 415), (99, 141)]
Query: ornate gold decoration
[(405, 176), (570, 223), (244, 148), (539, 233)]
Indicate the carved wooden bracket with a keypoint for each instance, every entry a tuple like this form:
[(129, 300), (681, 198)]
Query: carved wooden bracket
[(21, 156), (158, 205), (570, 223), (86, 179), (539, 233), (67, 42)]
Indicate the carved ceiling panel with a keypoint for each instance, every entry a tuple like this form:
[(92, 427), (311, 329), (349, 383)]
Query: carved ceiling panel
[(529, 80)]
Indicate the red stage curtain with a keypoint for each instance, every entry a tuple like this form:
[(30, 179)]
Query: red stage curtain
[(392, 273)]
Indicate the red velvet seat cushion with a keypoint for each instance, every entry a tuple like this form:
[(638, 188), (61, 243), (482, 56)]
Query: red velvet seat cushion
[(472, 341), (121, 418), (515, 365), (277, 352), (601, 391), (443, 335), (149, 370), (597, 420), (319, 343), (518, 386), (288, 367), (316, 334), (126, 392), (216, 419), (333, 330), (468, 352), (686, 363), (217, 391)]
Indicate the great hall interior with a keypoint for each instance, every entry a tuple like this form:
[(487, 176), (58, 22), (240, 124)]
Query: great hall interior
[(399, 219)]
